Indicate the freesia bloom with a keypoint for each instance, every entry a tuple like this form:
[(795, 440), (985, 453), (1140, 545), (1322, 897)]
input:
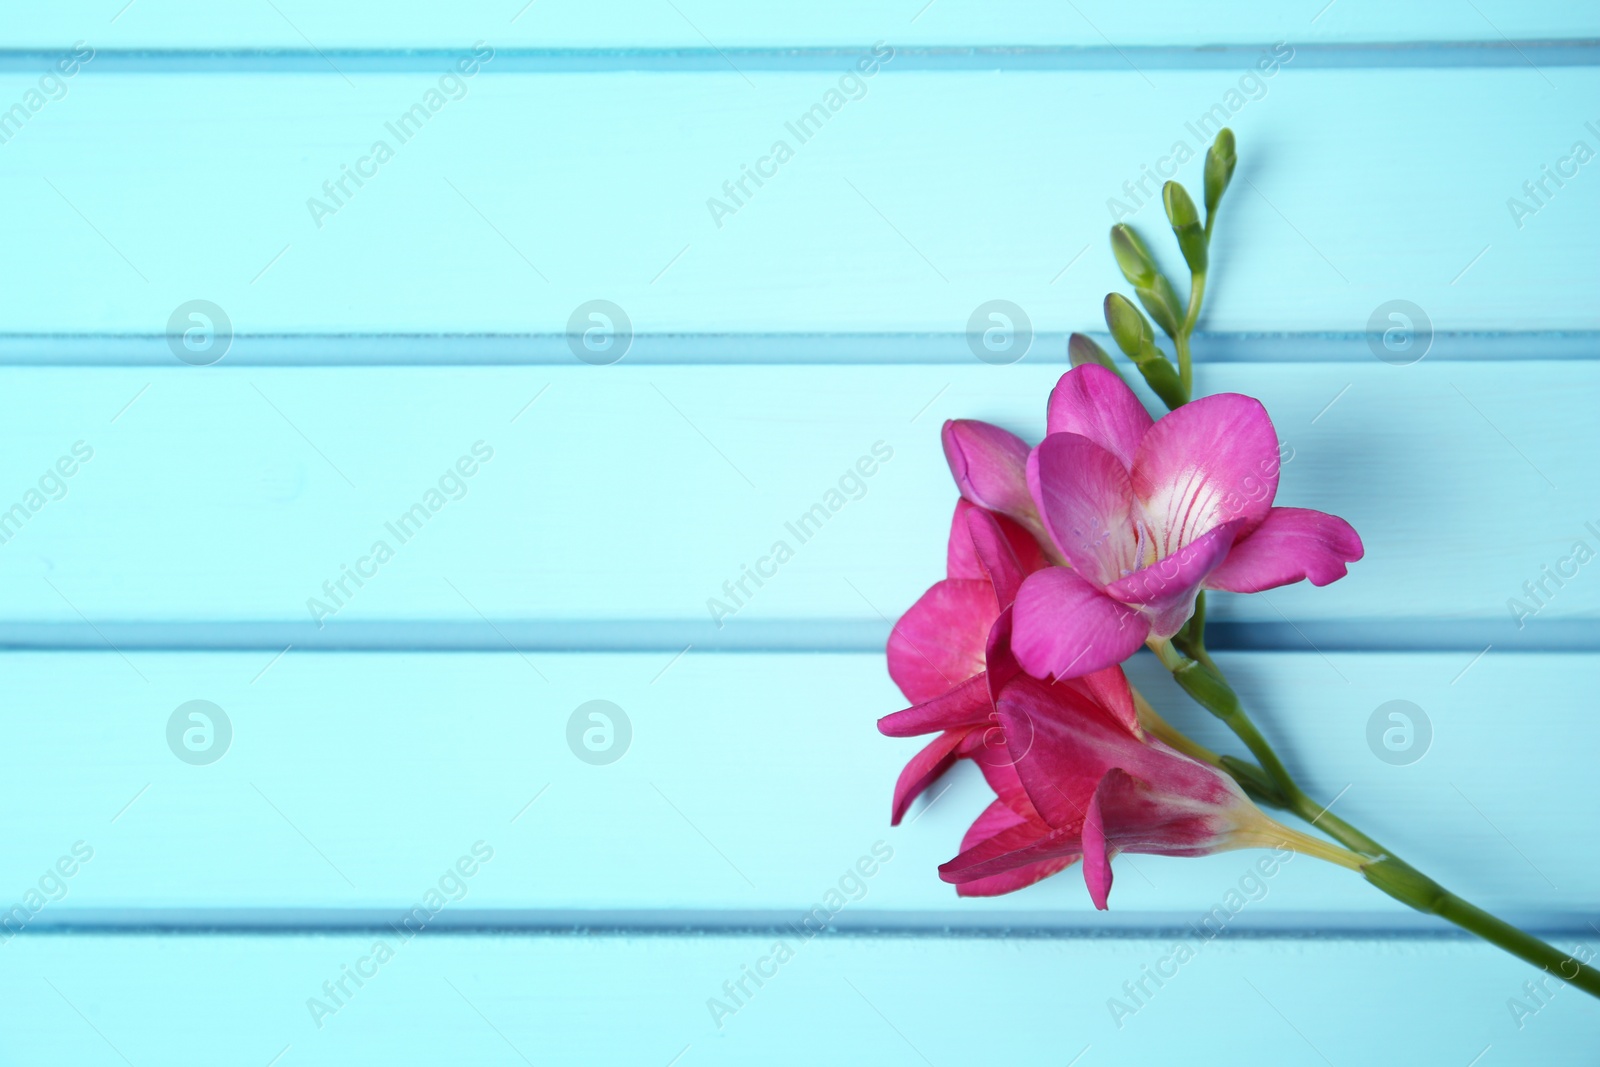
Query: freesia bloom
[(1146, 513), (1098, 785), (940, 653)]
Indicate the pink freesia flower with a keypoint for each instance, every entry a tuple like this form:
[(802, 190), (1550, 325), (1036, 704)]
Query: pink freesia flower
[(1146, 513), (1098, 785), (990, 467), (950, 648)]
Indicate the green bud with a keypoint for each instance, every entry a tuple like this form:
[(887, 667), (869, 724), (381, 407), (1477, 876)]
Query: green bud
[(1128, 328), (1138, 342), (1180, 209), (1161, 301), (1162, 378), (1220, 160), (1185, 226), (1132, 256), (1081, 350), (1211, 691)]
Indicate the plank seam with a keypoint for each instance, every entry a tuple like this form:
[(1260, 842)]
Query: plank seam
[(358, 349), (796, 636), (335, 62)]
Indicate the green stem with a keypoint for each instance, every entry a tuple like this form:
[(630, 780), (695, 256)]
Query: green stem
[(1409, 886), (1197, 293), (1201, 679)]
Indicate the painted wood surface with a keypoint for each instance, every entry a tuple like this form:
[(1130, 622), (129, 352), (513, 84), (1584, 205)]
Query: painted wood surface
[(298, 24), (903, 210), (745, 785), (775, 334), (235, 495), (195, 1000)]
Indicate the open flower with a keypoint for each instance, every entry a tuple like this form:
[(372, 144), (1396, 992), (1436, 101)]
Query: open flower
[(951, 649), (1147, 513), (1098, 785)]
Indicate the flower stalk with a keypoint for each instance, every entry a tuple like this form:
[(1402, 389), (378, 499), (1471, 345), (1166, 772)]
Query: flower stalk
[(1381, 867)]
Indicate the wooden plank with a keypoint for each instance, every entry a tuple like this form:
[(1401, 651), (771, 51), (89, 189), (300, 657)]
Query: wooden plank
[(748, 786), (94, 1000), (637, 493), (904, 212), (638, 24)]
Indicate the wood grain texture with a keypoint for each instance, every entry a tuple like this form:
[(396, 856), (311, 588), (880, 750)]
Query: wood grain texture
[(181, 507), (911, 206), (639, 24), (190, 1000), (752, 783), (236, 494)]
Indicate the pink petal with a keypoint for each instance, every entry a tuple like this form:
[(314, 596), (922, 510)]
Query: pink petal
[(1093, 402), (1016, 848), (923, 770), (1097, 851), (988, 464), (1109, 690), (961, 559), (939, 641), (1000, 773), (1063, 744), (1293, 543), (1211, 461), (994, 553), (1085, 500), (1000, 663), (968, 704), (1185, 809), (1166, 589), (1067, 628), (995, 818)]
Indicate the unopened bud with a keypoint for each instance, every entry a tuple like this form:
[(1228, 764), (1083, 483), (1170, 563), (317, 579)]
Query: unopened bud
[(1132, 256), (1220, 160)]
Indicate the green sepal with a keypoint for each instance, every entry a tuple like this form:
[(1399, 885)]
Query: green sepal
[(1185, 226), (1161, 301), (1131, 331), (1133, 257), (1082, 350), (1128, 327), (1220, 161)]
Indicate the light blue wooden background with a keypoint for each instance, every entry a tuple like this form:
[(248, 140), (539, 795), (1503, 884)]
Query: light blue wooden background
[(824, 316)]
